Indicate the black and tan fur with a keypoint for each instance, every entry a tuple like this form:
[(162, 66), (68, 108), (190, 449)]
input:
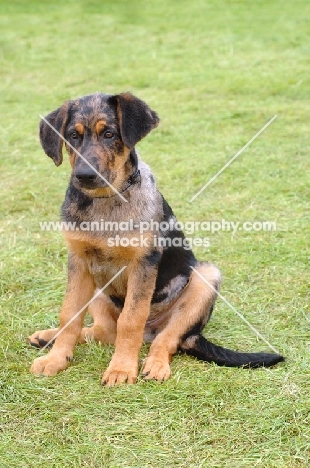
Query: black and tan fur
[(157, 298)]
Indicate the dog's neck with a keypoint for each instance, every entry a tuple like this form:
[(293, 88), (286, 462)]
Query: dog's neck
[(133, 179)]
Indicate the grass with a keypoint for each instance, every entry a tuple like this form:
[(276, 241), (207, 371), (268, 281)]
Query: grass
[(216, 72)]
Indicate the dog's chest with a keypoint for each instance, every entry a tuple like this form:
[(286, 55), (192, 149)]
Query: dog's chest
[(105, 262)]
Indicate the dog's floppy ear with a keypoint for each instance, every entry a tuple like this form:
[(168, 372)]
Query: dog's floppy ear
[(49, 138), (136, 119)]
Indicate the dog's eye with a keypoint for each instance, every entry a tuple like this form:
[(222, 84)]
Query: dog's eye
[(74, 135), (108, 134)]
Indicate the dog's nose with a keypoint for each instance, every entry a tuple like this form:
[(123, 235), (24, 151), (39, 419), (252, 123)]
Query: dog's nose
[(86, 175)]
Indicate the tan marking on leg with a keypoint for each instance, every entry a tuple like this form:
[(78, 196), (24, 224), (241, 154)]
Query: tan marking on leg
[(193, 305), (80, 290), (41, 337), (130, 326), (105, 316)]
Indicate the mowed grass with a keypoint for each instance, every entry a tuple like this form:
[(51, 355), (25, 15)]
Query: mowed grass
[(216, 72)]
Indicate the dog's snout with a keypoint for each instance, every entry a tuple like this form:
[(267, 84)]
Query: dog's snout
[(85, 174)]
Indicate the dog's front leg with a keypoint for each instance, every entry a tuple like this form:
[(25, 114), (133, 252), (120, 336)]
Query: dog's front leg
[(80, 290), (131, 323)]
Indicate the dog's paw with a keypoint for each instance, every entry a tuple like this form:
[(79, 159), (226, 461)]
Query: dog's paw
[(49, 365), (41, 338), (156, 369), (120, 373)]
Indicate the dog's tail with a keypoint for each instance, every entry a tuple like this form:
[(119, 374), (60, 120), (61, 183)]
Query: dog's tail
[(201, 348)]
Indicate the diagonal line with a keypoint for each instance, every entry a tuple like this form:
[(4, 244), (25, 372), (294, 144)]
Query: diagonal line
[(233, 158), (236, 311), (81, 156), (83, 308)]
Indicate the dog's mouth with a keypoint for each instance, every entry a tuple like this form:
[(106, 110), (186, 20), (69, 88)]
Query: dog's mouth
[(91, 183), (93, 188)]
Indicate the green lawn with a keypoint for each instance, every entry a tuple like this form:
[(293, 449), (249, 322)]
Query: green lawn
[(216, 72)]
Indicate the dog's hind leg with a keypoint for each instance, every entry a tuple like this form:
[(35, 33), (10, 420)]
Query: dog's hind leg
[(189, 314), (105, 315), (43, 337), (183, 331), (103, 330)]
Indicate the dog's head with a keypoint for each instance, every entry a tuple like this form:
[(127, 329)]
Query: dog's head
[(100, 132)]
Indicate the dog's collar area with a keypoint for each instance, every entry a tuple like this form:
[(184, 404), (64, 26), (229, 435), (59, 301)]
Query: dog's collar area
[(133, 179)]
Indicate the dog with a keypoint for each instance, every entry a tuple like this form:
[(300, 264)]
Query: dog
[(148, 291)]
